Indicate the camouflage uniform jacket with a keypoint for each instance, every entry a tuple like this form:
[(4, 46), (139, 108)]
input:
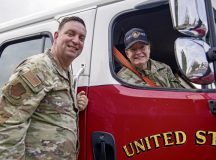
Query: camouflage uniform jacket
[(37, 115), (160, 73)]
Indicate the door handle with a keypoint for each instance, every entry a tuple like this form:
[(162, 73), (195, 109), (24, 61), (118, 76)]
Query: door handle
[(212, 106), (103, 145), (76, 78)]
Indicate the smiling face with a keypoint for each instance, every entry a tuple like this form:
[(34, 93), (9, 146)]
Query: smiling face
[(139, 54), (69, 41)]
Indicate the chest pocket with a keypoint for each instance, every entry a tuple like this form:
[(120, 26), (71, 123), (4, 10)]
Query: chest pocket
[(58, 100)]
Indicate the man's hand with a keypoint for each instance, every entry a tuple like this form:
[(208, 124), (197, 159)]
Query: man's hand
[(82, 100)]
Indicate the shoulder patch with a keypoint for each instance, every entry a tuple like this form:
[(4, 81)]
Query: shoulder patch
[(32, 78), (17, 90)]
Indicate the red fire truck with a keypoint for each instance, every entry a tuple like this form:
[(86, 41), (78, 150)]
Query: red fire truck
[(124, 121)]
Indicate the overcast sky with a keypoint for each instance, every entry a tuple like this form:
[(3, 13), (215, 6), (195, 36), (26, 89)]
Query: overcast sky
[(10, 9)]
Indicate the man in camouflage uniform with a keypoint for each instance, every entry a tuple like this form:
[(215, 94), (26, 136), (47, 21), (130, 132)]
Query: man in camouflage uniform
[(138, 52), (39, 109)]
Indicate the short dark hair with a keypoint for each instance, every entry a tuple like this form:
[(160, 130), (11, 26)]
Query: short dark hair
[(68, 19)]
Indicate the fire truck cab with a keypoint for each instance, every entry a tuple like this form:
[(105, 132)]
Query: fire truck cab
[(124, 121)]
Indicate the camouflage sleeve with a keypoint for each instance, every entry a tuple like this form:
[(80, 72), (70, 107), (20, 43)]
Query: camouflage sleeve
[(121, 74), (21, 96), (174, 82)]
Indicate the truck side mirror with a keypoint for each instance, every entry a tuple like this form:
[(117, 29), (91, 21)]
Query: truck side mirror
[(189, 19), (191, 58)]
